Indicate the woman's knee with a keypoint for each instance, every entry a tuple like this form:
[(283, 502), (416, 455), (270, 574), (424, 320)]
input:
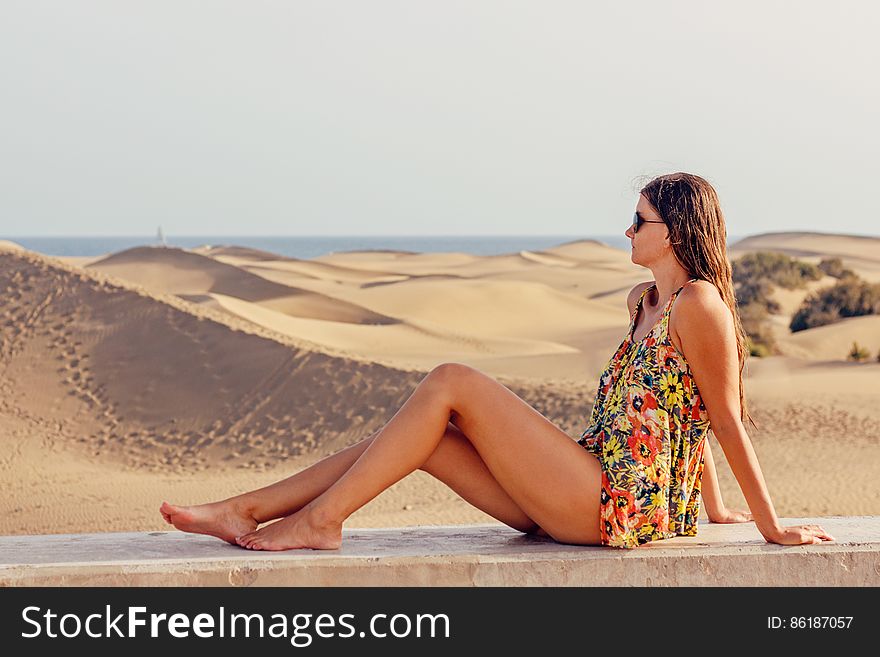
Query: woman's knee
[(450, 372), (449, 377)]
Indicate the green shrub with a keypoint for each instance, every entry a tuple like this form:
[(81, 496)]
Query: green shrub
[(858, 353), (754, 277), (759, 337), (756, 292), (758, 349), (834, 267), (755, 274), (849, 297), (776, 268)]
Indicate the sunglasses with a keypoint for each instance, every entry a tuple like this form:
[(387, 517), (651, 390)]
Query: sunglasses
[(638, 221)]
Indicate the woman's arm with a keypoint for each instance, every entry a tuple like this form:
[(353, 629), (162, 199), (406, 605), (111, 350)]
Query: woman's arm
[(741, 456), (708, 340), (711, 494)]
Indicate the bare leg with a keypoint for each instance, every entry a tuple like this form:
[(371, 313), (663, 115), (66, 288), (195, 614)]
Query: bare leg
[(238, 515), (544, 472), (455, 462)]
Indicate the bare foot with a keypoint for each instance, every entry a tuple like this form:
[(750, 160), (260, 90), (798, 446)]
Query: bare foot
[(298, 530), (221, 519)]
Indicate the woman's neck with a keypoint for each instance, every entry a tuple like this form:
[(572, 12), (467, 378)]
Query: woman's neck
[(664, 287)]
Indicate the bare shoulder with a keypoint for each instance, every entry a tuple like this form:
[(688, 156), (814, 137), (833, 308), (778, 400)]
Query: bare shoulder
[(699, 305), (635, 293), (701, 295)]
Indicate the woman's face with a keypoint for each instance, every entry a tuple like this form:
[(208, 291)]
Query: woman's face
[(650, 242)]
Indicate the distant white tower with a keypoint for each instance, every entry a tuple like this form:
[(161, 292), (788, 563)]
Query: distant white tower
[(161, 237)]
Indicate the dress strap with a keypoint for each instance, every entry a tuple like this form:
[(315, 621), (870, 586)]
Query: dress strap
[(675, 294), (683, 286), (664, 319), (668, 310)]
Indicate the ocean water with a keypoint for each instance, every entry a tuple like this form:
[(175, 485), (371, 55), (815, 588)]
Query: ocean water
[(312, 247)]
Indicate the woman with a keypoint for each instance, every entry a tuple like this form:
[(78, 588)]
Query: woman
[(636, 473)]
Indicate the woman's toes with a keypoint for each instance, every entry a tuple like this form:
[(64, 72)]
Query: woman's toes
[(167, 510)]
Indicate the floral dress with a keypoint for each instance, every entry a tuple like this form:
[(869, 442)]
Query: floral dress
[(647, 429)]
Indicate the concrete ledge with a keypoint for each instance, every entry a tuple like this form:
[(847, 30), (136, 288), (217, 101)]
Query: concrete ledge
[(471, 555)]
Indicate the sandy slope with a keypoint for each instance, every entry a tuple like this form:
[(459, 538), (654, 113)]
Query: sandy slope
[(191, 375), (859, 253), (832, 342)]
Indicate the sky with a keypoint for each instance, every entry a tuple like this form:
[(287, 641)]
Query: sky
[(448, 117)]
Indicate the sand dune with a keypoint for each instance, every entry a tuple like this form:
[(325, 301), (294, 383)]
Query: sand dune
[(320, 271), (493, 307), (243, 252), (176, 271), (791, 300), (587, 251), (154, 382), (799, 244), (414, 343), (486, 313), (264, 261), (6, 245), (859, 253), (834, 341), (549, 259), (400, 262), (160, 372)]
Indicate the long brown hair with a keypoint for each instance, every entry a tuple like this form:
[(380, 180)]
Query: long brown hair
[(698, 235)]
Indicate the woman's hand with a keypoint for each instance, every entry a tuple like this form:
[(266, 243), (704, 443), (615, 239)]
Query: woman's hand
[(798, 535), (731, 515)]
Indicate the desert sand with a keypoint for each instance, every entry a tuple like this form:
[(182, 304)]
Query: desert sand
[(190, 375)]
